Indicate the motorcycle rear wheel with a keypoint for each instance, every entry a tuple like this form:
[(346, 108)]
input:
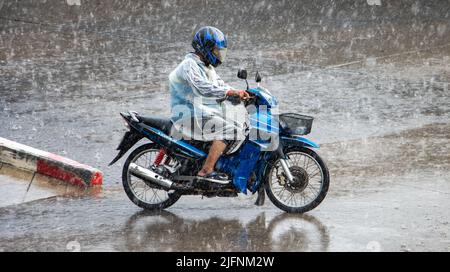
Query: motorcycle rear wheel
[(149, 198), (310, 186)]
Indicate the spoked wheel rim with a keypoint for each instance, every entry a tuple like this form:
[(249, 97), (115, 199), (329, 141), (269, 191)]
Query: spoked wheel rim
[(308, 180), (141, 189)]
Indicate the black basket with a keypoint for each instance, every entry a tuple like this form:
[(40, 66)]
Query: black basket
[(296, 124)]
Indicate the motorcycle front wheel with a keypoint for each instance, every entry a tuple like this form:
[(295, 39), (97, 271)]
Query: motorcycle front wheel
[(140, 192), (309, 186)]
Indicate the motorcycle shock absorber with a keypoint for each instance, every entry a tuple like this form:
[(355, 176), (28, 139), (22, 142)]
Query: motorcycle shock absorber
[(284, 164), (159, 157)]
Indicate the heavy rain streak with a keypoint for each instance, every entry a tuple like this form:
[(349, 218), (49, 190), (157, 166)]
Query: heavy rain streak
[(374, 74)]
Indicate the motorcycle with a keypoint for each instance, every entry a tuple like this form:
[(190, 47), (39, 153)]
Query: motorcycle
[(294, 177)]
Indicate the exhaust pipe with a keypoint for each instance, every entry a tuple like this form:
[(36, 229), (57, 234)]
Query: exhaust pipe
[(151, 176)]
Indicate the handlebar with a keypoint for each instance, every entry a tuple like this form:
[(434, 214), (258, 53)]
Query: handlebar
[(233, 99)]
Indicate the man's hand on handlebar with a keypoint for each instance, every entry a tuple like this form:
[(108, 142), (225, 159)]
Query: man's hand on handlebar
[(241, 93)]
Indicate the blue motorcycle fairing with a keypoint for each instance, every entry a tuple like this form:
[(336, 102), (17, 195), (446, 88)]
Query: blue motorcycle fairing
[(262, 120), (295, 140), (264, 127), (240, 165), (265, 97), (259, 170)]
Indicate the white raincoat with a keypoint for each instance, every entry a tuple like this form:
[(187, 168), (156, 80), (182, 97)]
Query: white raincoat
[(195, 111)]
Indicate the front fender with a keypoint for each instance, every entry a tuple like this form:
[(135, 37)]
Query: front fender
[(297, 141)]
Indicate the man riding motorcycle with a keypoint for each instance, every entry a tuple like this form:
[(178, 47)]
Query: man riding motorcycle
[(283, 165), (196, 90)]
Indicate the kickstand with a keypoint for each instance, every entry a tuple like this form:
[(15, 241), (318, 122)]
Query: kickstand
[(261, 196)]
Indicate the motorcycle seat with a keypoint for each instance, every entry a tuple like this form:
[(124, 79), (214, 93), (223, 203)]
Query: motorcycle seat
[(161, 123)]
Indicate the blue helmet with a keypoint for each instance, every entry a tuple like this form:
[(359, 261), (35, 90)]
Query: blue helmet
[(212, 44)]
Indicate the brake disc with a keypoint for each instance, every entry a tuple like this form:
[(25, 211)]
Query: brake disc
[(300, 181)]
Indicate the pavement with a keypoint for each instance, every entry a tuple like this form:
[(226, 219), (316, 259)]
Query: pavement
[(20, 186), (17, 187)]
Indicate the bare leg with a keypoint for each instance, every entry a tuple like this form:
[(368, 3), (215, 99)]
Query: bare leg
[(214, 154)]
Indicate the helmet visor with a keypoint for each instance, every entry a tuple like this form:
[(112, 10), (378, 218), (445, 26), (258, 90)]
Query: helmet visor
[(220, 53)]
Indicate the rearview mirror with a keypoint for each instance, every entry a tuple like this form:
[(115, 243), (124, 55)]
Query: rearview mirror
[(258, 77), (242, 74)]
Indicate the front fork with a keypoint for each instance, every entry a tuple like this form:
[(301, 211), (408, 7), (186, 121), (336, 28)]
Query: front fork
[(287, 171), (284, 163)]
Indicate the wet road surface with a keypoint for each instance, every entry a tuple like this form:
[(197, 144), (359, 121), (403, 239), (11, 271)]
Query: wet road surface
[(398, 203)]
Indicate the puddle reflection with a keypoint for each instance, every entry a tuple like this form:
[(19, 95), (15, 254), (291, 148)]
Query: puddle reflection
[(166, 231)]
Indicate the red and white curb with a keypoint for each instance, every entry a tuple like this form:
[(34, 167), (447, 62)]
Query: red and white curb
[(45, 163)]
